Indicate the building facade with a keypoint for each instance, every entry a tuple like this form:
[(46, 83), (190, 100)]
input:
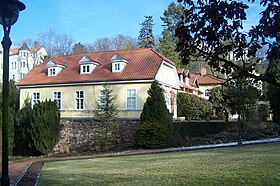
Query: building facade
[(22, 60), (75, 81)]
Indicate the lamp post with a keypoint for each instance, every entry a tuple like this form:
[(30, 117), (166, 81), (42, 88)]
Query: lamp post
[(9, 11)]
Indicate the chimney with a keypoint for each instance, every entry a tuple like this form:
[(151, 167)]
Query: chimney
[(36, 44), (203, 71)]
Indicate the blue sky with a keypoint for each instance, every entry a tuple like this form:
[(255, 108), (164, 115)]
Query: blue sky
[(88, 20)]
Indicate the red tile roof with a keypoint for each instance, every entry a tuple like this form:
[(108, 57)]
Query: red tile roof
[(206, 79), (143, 64)]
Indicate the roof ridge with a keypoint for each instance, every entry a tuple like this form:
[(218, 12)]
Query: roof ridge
[(162, 56), (106, 51)]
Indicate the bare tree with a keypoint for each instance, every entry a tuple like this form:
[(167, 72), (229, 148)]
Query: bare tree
[(56, 43), (90, 47), (120, 42), (103, 44)]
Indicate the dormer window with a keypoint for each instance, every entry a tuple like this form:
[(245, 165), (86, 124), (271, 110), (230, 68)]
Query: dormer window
[(85, 69), (87, 65), (52, 72), (118, 63), (54, 68), (117, 67)]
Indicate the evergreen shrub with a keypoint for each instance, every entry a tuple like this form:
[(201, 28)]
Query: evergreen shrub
[(193, 107), (156, 121), (37, 128)]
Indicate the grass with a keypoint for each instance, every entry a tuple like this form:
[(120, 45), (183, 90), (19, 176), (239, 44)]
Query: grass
[(245, 165)]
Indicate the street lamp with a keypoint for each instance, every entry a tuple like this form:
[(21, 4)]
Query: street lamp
[(9, 11)]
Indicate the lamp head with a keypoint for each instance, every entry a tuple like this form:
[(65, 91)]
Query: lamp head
[(9, 11)]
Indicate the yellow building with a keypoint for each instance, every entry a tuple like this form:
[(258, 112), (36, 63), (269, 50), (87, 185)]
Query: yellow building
[(199, 84), (75, 81)]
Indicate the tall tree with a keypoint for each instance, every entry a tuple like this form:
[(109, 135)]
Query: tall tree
[(171, 18), (218, 26), (106, 111), (56, 43), (146, 37), (79, 48)]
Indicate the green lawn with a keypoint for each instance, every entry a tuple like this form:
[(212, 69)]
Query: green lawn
[(246, 165)]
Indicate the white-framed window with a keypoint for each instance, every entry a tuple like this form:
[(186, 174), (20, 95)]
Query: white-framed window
[(79, 100), (57, 99), (85, 69), (117, 67), (131, 99), (52, 72), (207, 93), (35, 98)]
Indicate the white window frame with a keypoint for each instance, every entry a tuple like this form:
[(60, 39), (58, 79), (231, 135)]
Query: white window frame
[(206, 92), (85, 69), (57, 97), (130, 105), (52, 71), (117, 67), (36, 97), (79, 100)]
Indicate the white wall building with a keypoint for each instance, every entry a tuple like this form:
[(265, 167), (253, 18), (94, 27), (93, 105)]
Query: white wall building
[(22, 60)]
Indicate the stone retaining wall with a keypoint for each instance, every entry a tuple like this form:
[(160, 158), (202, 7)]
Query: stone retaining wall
[(78, 135)]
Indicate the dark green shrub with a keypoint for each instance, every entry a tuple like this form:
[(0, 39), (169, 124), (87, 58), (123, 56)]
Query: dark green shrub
[(155, 120), (193, 107), (273, 95), (151, 135), (200, 129), (13, 108), (37, 129)]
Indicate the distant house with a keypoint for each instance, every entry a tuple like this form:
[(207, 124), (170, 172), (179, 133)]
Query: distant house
[(198, 84), (75, 81), (22, 60)]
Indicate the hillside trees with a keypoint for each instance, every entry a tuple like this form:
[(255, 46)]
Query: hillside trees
[(79, 48), (167, 42), (146, 37), (56, 43), (156, 121), (218, 25)]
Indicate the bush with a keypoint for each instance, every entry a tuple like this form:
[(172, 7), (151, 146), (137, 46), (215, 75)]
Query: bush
[(37, 129), (156, 121), (193, 107), (151, 135), (273, 95)]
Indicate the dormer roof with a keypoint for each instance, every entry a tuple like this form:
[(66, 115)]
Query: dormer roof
[(117, 58), (87, 60), (53, 63)]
